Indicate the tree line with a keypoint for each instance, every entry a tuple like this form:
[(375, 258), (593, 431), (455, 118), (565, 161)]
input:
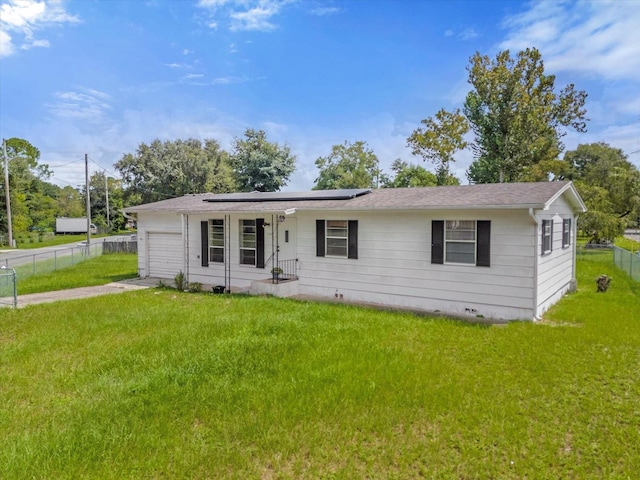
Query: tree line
[(513, 120)]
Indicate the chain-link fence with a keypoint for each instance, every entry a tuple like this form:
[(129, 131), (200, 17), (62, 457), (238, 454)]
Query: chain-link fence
[(8, 290), (627, 261), (43, 262)]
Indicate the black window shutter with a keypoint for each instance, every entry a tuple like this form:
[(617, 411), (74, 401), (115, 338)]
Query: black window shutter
[(319, 238), (204, 236), (437, 241), (483, 246), (551, 236), (353, 239), (259, 242)]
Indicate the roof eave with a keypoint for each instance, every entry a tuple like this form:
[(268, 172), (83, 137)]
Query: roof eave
[(574, 198), (364, 209)]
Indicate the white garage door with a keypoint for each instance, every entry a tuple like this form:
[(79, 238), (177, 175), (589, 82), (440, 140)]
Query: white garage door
[(165, 254)]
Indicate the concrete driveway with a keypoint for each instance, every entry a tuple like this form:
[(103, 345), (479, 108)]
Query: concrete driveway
[(86, 292)]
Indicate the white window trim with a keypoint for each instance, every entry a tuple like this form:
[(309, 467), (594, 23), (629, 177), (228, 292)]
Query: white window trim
[(566, 233), (211, 245), (327, 237), (255, 234), (550, 236), (474, 242)]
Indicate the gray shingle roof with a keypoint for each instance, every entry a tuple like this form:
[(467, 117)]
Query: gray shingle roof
[(485, 196)]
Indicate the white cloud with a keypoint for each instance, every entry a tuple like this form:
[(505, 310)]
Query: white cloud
[(256, 18), (85, 104), (597, 44), (238, 15), (20, 19), (322, 11), (591, 37), (64, 140), (213, 3), (36, 43), (468, 34), (6, 45), (228, 80)]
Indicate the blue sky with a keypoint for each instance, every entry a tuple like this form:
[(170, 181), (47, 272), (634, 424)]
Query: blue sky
[(100, 77)]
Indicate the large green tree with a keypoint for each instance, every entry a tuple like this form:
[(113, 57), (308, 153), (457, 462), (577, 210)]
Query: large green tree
[(410, 175), (609, 185), (27, 180), (438, 140), (260, 165), (518, 117), (70, 202), (107, 201), (349, 165), (167, 169)]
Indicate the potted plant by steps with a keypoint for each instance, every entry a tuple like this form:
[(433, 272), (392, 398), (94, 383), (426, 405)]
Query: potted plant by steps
[(275, 273)]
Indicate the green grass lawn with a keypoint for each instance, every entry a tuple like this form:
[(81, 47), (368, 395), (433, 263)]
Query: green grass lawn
[(52, 241), (95, 271), (161, 384)]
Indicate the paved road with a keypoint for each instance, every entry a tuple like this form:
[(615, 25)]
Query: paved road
[(632, 234), (14, 258)]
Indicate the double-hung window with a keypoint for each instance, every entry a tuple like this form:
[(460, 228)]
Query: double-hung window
[(216, 241), (566, 232), (337, 238), (461, 241), (547, 236), (248, 242)]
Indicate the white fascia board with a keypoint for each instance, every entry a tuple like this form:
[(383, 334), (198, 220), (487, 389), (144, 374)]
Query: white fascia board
[(574, 197)]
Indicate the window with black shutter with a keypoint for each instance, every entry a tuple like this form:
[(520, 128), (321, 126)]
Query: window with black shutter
[(337, 238), (566, 232), (547, 236), (216, 241), (461, 242)]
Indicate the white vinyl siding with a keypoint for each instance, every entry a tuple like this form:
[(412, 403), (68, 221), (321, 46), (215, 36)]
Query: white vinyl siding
[(556, 269), (165, 254), (394, 266)]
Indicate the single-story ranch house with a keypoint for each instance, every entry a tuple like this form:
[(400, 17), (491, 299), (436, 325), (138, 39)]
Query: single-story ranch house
[(501, 251)]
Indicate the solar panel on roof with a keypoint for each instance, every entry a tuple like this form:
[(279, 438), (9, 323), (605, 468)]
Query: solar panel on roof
[(288, 196)]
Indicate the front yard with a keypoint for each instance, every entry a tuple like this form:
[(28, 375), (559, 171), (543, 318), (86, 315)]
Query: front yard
[(160, 384)]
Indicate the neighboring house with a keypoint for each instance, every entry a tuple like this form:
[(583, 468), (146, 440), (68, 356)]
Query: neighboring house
[(504, 251)]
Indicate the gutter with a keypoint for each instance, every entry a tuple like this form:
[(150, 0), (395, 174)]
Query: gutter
[(346, 208)]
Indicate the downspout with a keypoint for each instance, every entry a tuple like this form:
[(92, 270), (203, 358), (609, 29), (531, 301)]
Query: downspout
[(185, 242), (535, 265), (574, 240)]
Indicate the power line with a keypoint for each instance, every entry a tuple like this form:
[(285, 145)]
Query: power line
[(64, 164), (103, 168)]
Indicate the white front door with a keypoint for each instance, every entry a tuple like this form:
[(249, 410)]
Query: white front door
[(287, 239)]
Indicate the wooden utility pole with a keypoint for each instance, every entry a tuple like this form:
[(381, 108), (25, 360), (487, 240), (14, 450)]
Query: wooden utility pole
[(86, 179), (6, 191), (106, 193)]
